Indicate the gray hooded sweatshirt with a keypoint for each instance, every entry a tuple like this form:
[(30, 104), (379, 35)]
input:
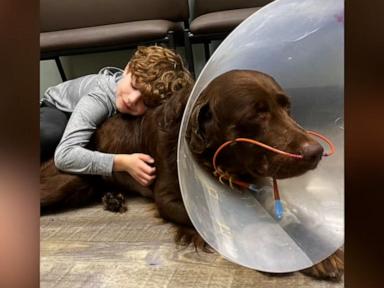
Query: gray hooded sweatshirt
[(91, 99)]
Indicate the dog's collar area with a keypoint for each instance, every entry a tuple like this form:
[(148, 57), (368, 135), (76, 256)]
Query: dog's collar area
[(222, 175)]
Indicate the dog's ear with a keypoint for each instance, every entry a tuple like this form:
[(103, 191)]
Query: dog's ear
[(196, 135)]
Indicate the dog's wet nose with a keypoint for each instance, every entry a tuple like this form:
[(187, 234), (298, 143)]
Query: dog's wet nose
[(312, 151)]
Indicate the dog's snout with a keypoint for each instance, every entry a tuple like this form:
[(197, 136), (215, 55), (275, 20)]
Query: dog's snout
[(312, 151)]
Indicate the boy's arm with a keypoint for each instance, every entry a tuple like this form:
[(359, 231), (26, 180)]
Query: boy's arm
[(71, 154)]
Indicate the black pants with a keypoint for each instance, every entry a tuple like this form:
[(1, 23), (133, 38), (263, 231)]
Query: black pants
[(52, 125)]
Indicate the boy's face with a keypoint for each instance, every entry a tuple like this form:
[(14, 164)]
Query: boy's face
[(128, 99)]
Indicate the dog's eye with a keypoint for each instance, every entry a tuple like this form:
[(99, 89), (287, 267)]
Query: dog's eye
[(284, 102)]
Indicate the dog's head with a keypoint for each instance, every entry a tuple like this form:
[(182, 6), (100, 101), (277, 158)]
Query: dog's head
[(250, 104)]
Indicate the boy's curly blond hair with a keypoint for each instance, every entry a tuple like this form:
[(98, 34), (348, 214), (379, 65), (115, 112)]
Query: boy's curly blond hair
[(158, 73)]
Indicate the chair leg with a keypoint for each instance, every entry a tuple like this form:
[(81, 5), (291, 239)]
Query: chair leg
[(207, 53), (189, 52), (61, 70), (171, 40)]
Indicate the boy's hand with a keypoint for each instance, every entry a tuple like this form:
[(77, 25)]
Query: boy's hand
[(137, 165)]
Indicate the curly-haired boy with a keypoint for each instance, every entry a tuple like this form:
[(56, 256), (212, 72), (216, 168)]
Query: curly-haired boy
[(71, 111)]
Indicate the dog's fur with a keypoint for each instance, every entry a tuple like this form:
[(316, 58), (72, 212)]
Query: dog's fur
[(238, 103)]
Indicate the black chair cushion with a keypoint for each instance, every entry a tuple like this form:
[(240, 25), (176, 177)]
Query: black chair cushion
[(220, 22), (106, 35), (58, 15)]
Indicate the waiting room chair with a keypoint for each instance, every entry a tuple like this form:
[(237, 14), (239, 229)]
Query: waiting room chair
[(214, 20), (72, 27)]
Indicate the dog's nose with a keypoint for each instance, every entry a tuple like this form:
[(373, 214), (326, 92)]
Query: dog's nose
[(312, 151)]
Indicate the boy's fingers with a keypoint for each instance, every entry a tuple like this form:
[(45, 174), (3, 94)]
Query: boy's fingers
[(147, 177), (145, 182), (148, 169), (146, 158)]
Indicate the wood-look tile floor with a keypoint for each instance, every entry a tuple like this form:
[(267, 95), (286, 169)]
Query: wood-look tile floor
[(90, 247)]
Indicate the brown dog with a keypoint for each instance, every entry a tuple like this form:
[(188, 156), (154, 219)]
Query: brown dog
[(236, 104), (251, 104)]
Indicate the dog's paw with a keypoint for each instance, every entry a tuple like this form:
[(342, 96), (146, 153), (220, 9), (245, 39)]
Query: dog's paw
[(187, 235), (331, 268), (114, 202)]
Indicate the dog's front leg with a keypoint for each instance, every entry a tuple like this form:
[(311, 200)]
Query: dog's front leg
[(171, 207), (168, 199)]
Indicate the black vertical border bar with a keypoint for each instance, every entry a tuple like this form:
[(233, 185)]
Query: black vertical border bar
[(364, 130), (19, 143)]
